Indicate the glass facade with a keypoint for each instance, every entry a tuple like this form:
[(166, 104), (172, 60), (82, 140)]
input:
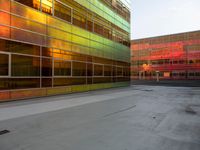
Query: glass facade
[(58, 43), (173, 57)]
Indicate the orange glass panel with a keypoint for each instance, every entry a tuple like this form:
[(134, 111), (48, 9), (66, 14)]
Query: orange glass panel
[(25, 36), (5, 5), (4, 31), (4, 18)]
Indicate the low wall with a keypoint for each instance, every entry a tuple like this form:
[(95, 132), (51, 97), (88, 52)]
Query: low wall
[(40, 92)]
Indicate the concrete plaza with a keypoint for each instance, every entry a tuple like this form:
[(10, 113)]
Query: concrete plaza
[(138, 117)]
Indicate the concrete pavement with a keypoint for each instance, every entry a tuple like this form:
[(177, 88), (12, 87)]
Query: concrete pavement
[(164, 82), (132, 118)]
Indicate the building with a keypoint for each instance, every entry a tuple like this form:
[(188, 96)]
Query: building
[(172, 57), (50, 47)]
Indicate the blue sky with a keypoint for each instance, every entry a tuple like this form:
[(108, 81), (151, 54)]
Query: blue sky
[(160, 17)]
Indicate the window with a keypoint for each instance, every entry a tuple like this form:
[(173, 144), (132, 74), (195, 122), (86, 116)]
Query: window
[(62, 11), (61, 54), (126, 71), (102, 80), (25, 65), (98, 70), (119, 71), (89, 69), (78, 57), (45, 4), (46, 82), (22, 48), (62, 68), (90, 24), (46, 67), (61, 82), (107, 70), (79, 19), (47, 52), (4, 61), (79, 69), (17, 47), (78, 81), (114, 70), (31, 3), (69, 81), (98, 28), (107, 33), (19, 83)]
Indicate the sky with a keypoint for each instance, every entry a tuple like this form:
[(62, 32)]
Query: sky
[(160, 17)]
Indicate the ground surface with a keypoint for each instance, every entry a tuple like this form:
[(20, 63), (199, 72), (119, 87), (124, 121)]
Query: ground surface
[(177, 83), (132, 118)]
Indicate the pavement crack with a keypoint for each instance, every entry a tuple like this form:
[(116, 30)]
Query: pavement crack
[(119, 111), (145, 90)]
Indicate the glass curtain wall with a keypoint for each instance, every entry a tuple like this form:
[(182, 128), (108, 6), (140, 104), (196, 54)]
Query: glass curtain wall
[(54, 43), (173, 56)]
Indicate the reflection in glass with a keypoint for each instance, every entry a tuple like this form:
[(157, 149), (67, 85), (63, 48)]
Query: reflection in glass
[(79, 69), (19, 83), (62, 11), (46, 67), (25, 65), (62, 68), (98, 70), (4, 64)]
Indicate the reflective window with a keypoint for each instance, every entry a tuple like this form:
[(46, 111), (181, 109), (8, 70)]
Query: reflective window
[(107, 70), (98, 28), (62, 11), (48, 52), (46, 82), (46, 5), (31, 3), (61, 54), (107, 33), (78, 81), (89, 80), (78, 57), (101, 80), (119, 71), (90, 24), (79, 69), (126, 71), (62, 68), (25, 65), (114, 69), (19, 83), (98, 70), (69, 81), (46, 67), (17, 47), (89, 69), (79, 19), (4, 61), (61, 82)]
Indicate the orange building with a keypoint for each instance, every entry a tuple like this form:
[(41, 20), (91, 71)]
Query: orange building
[(175, 57)]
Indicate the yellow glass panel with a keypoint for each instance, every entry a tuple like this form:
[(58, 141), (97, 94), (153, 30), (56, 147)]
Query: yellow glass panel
[(28, 13), (52, 32)]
